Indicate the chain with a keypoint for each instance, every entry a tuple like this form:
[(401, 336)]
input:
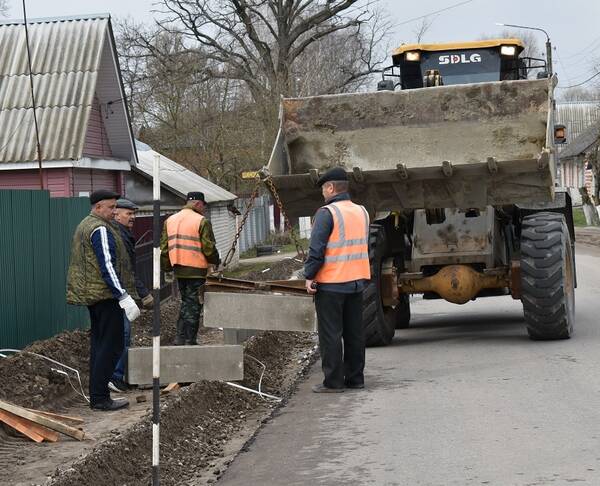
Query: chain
[(231, 252), (269, 182)]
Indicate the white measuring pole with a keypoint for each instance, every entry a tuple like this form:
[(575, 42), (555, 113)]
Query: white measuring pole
[(156, 322)]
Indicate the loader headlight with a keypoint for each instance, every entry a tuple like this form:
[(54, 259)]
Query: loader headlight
[(413, 56), (508, 50)]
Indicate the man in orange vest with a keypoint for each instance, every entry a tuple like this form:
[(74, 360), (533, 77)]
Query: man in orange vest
[(336, 271), (188, 247)]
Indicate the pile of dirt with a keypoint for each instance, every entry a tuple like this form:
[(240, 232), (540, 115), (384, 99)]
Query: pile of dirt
[(197, 423), (275, 271), (31, 381), (202, 426)]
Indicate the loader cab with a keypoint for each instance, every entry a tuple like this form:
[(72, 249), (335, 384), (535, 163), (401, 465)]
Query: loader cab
[(425, 65)]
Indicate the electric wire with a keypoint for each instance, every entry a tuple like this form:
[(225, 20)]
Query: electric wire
[(81, 392), (582, 83), (433, 13)]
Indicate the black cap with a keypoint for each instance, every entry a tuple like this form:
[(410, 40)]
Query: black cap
[(102, 194), (333, 175), (196, 196), (126, 204)]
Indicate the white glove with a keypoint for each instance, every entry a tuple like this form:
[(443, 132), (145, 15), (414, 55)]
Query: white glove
[(132, 311)]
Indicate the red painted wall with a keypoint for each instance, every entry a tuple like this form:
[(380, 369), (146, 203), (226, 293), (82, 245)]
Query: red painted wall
[(57, 181), (96, 141), (89, 180)]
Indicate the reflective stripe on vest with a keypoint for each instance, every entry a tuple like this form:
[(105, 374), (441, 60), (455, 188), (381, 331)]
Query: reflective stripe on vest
[(347, 251), (185, 245)]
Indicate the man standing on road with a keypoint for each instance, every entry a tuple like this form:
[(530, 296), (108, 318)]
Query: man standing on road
[(125, 217), (100, 278), (336, 272), (188, 247)]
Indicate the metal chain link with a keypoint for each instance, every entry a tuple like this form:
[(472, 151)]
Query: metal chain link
[(231, 252), (269, 182)]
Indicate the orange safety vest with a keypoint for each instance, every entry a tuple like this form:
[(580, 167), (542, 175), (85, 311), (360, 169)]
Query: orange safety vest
[(185, 246), (347, 251)]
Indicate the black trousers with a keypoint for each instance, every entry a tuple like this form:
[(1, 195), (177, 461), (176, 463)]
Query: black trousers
[(341, 338), (106, 346)]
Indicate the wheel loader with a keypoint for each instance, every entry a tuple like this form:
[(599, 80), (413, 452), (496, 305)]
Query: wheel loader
[(454, 158)]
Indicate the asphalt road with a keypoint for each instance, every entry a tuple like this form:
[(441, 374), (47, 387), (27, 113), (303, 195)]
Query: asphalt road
[(463, 397)]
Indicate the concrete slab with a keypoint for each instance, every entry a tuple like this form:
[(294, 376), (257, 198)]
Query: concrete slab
[(267, 312), (187, 364)]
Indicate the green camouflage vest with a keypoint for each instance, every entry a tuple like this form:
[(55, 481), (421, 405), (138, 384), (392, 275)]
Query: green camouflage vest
[(85, 285)]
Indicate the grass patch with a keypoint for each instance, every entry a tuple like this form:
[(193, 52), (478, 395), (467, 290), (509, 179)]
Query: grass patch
[(579, 217)]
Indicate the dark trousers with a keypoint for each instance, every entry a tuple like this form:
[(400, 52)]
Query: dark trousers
[(189, 312), (340, 319), (106, 346)]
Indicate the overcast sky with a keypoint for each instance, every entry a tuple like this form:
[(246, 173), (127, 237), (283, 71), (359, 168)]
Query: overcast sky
[(572, 25)]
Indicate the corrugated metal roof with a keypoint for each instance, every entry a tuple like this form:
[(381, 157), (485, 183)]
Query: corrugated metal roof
[(65, 62), (577, 116), (178, 178), (582, 142)]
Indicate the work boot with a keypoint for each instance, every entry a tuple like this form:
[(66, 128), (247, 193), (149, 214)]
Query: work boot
[(110, 405), (180, 333), (320, 388)]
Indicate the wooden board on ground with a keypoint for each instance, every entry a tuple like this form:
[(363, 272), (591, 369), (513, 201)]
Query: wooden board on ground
[(42, 420), (76, 421), (171, 387), (267, 312), (186, 364), (20, 425)]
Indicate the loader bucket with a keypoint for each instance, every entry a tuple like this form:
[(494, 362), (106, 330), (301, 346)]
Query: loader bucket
[(461, 146)]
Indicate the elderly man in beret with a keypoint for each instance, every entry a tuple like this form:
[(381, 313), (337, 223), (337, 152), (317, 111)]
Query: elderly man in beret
[(100, 277), (337, 270), (124, 219), (188, 247)]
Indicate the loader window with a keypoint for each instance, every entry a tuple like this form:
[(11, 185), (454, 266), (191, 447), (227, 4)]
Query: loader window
[(464, 67)]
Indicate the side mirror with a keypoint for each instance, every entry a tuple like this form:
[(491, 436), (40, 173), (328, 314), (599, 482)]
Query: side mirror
[(385, 85), (542, 74)]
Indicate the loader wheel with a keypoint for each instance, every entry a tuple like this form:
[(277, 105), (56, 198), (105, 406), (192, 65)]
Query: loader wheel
[(378, 323), (402, 312), (547, 276)]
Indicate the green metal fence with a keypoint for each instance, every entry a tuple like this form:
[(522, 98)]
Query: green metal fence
[(35, 240)]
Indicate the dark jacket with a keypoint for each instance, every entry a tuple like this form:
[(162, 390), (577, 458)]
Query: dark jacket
[(321, 231), (129, 242)]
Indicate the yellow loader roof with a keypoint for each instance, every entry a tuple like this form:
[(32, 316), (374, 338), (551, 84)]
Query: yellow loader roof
[(449, 46)]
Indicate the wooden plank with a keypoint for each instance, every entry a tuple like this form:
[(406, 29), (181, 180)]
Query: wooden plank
[(19, 425), (61, 418), (45, 432), (42, 420), (170, 388)]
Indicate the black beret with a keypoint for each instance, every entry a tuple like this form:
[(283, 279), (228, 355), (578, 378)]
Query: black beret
[(126, 204), (196, 196), (335, 174), (102, 194)]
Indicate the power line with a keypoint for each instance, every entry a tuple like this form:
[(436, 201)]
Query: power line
[(580, 84), (433, 13)]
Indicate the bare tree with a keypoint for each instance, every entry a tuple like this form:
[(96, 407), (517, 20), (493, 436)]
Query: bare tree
[(421, 29), (258, 41), (580, 93)]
